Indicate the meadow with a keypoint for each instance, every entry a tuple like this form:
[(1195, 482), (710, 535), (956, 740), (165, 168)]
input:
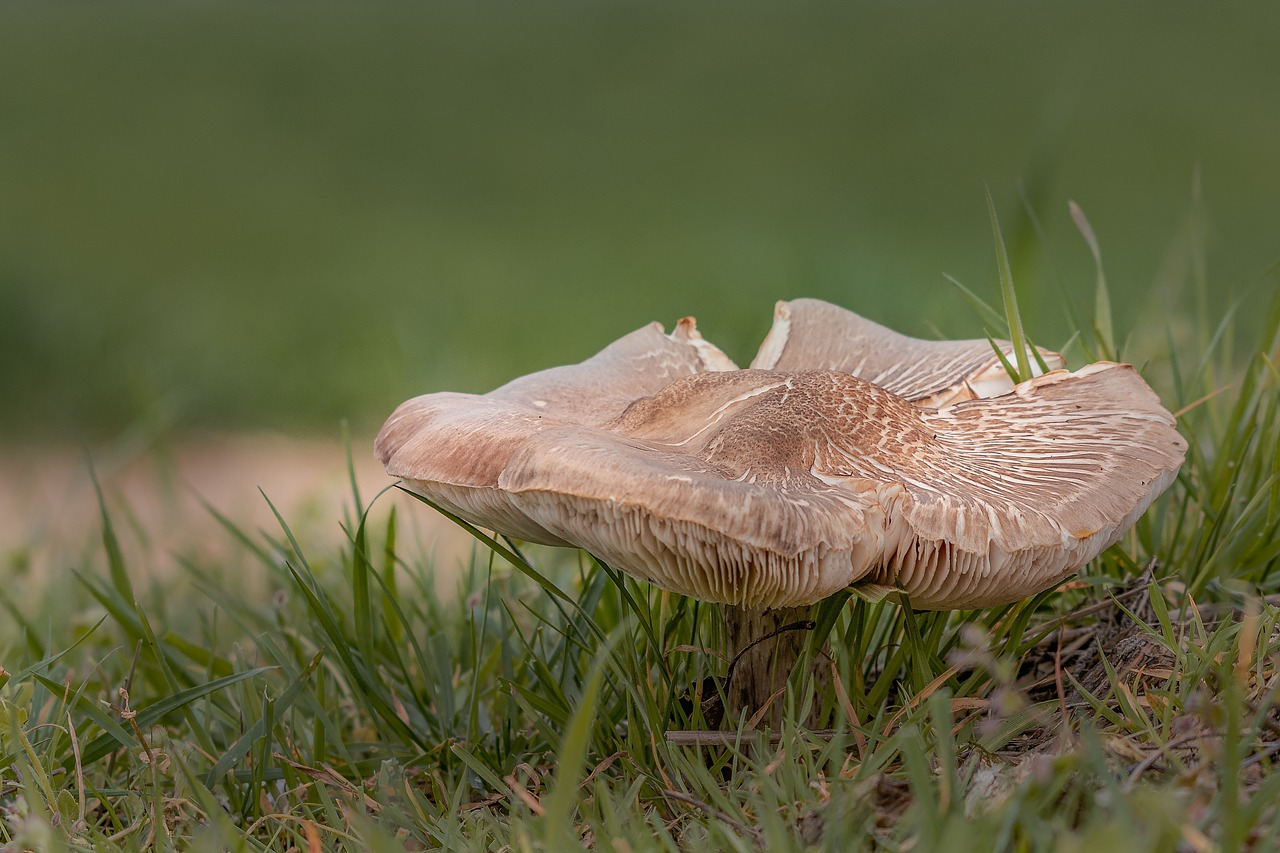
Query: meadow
[(350, 706), (227, 217)]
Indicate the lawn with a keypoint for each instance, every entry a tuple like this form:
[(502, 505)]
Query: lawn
[(220, 217), (348, 705)]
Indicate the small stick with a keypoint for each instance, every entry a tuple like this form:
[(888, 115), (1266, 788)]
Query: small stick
[(1159, 752), (699, 738), (715, 813)]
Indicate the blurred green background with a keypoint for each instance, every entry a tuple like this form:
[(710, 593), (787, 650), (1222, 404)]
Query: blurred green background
[(223, 215)]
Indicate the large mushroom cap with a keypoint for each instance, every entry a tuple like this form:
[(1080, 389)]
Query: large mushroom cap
[(777, 487), (809, 334)]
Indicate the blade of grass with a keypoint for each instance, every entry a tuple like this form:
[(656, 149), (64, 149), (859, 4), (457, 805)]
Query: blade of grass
[(989, 315), (84, 705), (154, 713), (391, 594), (360, 599), (370, 692), (1004, 360), (351, 468), (560, 803), (111, 543), (507, 554), (1016, 334), (257, 731), (1101, 299), (23, 674)]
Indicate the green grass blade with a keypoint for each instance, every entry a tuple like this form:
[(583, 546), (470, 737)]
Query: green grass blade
[(111, 543), (391, 618), (370, 691), (154, 713), (507, 554), (351, 469), (84, 705), (1102, 298), (360, 599), (989, 315), (257, 731), (24, 673), (1004, 359), (478, 767), (560, 804), (175, 681), (1016, 334), (236, 533)]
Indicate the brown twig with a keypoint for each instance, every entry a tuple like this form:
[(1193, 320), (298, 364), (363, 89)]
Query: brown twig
[(729, 820), (704, 738), (1147, 763)]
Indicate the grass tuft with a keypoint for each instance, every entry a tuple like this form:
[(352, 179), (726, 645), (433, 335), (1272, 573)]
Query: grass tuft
[(1010, 296)]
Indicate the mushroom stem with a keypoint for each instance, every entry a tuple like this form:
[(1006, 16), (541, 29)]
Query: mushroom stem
[(764, 647)]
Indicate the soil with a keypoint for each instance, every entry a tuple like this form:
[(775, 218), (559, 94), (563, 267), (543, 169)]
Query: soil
[(157, 494)]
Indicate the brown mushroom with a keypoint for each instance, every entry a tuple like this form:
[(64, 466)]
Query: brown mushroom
[(767, 490)]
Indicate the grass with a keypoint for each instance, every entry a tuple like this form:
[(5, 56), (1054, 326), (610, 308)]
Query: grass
[(350, 707)]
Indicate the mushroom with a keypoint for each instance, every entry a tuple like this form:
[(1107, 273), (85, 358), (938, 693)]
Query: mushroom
[(846, 455)]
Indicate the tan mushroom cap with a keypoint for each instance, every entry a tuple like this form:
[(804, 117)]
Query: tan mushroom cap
[(809, 334), (451, 447), (770, 488)]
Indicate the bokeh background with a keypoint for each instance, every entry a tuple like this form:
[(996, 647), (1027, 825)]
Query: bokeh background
[(224, 216)]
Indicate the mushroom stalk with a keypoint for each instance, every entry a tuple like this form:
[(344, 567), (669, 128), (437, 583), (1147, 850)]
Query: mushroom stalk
[(764, 648)]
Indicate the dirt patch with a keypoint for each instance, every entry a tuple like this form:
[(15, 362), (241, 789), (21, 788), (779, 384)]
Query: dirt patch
[(157, 497)]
